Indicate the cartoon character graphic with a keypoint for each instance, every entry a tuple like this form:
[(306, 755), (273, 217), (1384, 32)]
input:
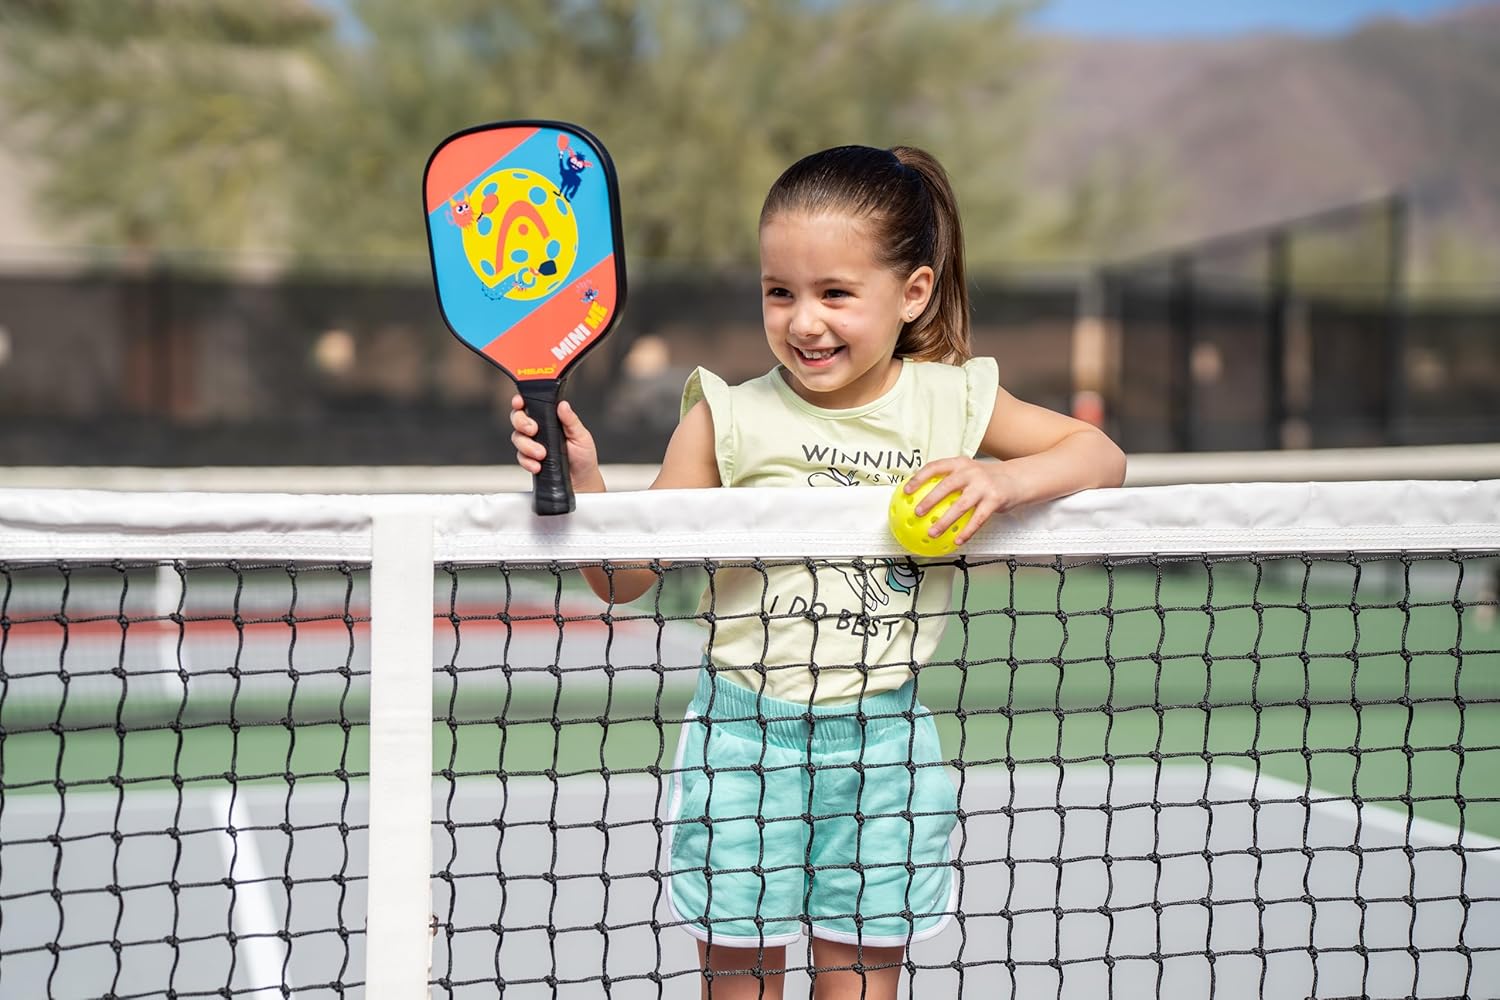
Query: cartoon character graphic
[(463, 214), (570, 166), (872, 596), (590, 293), (525, 279), (519, 234), (460, 212), (902, 576), (834, 477), (874, 589)]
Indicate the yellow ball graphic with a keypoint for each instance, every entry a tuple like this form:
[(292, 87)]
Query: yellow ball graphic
[(911, 530), (522, 239)]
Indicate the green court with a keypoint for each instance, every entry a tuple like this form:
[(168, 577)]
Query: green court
[(1374, 680)]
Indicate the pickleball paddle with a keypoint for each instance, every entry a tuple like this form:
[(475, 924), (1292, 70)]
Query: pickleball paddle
[(523, 225)]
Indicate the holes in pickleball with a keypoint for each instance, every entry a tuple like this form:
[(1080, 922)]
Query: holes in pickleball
[(484, 225), (487, 268), (538, 196), (553, 249), (562, 207), (519, 256)]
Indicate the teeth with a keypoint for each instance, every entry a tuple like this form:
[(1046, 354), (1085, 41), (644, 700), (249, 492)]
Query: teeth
[(819, 355)]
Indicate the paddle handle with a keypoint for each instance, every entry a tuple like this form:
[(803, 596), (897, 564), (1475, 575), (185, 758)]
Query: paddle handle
[(552, 488)]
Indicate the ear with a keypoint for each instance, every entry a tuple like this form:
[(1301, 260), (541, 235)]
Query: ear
[(917, 292)]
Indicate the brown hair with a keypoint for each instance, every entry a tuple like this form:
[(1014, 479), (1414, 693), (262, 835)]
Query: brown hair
[(904, 194)]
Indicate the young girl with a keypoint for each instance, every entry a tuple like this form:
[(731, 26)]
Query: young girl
[(828, 811)]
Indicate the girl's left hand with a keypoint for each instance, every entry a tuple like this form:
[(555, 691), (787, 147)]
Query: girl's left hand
[(982, 487)]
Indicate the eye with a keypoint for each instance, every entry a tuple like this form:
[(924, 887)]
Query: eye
[(778, 293), (835, 293)]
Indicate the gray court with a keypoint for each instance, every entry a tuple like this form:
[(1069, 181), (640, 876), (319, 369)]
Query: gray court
[(1207, 903)]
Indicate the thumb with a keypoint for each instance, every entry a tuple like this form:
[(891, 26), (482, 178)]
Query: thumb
[(572, 425)]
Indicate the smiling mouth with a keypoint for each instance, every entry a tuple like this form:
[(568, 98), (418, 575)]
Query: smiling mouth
[(818, 357)]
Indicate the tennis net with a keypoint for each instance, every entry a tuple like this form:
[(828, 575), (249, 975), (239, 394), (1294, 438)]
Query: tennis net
[(1205, 740)]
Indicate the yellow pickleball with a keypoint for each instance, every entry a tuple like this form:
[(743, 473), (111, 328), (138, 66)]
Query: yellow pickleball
[(912, 531)]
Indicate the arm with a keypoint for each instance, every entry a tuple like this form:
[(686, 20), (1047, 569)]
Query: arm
[(689, 464), (1043, 455)]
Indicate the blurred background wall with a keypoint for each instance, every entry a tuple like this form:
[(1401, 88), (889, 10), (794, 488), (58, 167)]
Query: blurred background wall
[(1218, 236)]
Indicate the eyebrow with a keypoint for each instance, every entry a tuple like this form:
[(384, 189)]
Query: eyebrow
[(823, 282)]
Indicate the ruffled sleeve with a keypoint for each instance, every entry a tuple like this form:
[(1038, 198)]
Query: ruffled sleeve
[(705, 385), (982, 383)]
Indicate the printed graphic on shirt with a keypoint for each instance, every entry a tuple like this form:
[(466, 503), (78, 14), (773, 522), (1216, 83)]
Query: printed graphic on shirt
[(858, 466), (876, 586), (871, 584)]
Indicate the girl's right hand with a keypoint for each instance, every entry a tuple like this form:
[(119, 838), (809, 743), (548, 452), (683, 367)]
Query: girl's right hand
[(583, 457)]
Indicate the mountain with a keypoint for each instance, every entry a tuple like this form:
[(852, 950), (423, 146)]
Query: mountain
[(1245, 131)]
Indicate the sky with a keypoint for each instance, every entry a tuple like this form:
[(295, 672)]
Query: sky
[(1179, 18)]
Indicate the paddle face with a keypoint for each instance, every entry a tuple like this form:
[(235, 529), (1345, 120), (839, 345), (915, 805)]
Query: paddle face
[(523, 225)]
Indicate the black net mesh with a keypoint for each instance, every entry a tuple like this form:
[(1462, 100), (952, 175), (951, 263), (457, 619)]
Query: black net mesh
[(1241, 776), (1150, 776), (182, 774)]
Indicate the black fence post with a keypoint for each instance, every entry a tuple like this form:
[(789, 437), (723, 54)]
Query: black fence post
[(1182, 321), (1393, 413), (1278, 300)]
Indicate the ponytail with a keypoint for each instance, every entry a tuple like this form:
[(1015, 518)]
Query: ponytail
[(941, 332), (904, 195)]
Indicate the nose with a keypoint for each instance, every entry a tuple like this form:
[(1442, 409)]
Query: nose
[(804, 320)]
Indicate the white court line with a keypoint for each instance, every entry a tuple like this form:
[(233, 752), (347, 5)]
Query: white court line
[(1381, 817), (81, 801), (253, 913)]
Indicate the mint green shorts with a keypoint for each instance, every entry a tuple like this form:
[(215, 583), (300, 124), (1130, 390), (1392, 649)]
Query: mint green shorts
[(788, 820)]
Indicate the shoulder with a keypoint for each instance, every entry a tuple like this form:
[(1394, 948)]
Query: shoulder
[(976, 381), (715, 411), (964, 394), (943, 374), (691, 460), (703, 386)]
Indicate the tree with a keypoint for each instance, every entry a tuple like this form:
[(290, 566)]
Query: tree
[(701, 102), (232, 125), (156, 120)]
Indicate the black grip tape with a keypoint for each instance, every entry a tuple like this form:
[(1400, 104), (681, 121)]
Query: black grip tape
[(552, 488)]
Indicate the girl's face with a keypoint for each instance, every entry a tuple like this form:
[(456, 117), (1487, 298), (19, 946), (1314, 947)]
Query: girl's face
[(832, 311)]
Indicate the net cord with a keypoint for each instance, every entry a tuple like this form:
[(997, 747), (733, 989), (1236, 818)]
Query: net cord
[(1412, 516), (398, 944)]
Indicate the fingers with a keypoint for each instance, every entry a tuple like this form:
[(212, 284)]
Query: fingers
[(529, 451), (976, 489), (954, 480), (960, 507), (932, 470), (982, 512)]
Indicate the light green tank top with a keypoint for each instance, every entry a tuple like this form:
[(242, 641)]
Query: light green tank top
[(826, 631)]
